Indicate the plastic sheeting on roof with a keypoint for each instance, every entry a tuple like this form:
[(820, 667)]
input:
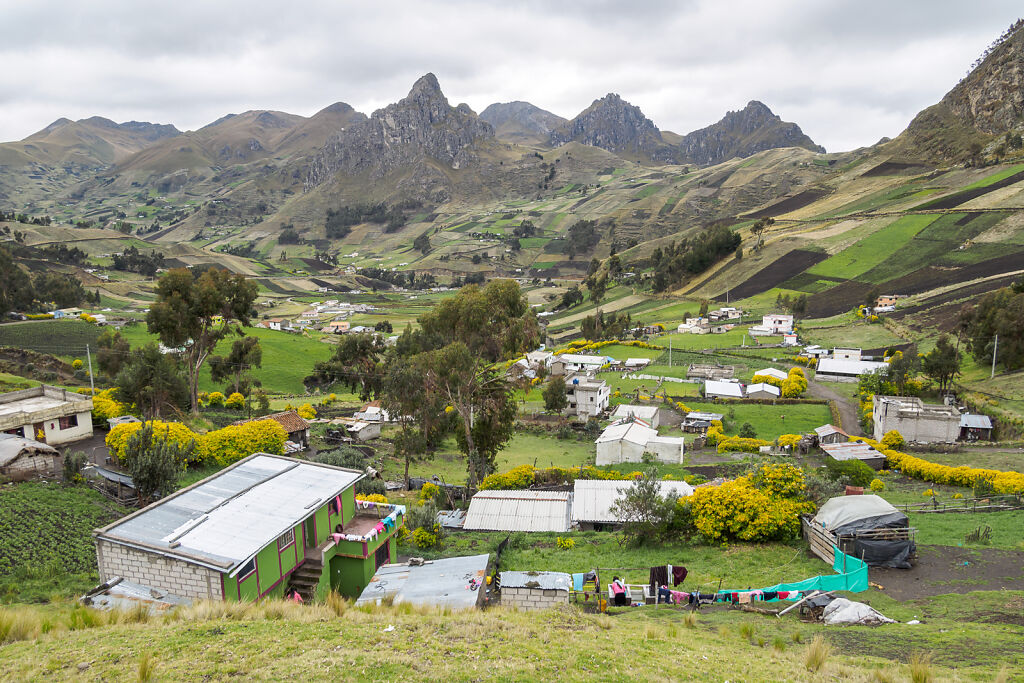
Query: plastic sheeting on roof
[(728, 389), (518, 511), (635, 432), (975, 421), (592, 498), (843, 510)]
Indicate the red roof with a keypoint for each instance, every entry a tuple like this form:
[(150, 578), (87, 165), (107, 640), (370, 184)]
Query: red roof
[(288, 419)]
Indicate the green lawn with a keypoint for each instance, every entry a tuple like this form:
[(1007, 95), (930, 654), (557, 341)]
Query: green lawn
[(66, 338), (860, 335), (769, 421), (995, 177), (873, 249), (287, 358)]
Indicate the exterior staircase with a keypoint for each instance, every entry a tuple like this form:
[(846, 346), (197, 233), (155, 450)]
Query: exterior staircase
[(306, 578)]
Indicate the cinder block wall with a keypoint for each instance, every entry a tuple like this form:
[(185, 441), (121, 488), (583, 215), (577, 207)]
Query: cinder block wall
[(174, 576), (533, 598)]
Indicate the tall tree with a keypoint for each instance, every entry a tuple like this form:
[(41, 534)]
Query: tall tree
[(154, 463), (357, 363), (902, 368), (942, 363), (112, 352), (246, 354), (555, 399), (420, 413), (16, 292), (152, 381), (597, 288), (479, 395), (185, 315), (999, 313)]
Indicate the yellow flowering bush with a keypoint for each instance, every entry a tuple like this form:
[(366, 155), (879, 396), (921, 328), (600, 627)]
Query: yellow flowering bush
[(877, 485), (175, 432), (766, 379), (215, 398), (372, 497), (780, 480), (958, 496), (428, 492), (234, 442), (739, 443), (736, 510), (105, 406), (426, 538), (928, 492), (235, 401), (795, 383), (77, 364), (524, 476), (682, 407), (790, 440), (306, 411), (565, 543), (893, 439), (919, 468), (715, 433)]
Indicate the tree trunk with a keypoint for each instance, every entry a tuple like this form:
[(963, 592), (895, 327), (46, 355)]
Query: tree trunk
[(470, 448)]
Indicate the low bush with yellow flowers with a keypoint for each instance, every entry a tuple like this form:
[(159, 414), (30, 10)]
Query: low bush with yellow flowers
[(525, 476), (306, 411), (235, 401), (105, 406), (740, 510), (372, 497), (565, 543), (222, 446)]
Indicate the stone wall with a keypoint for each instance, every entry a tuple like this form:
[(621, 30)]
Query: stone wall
[(533, 598), (174, 576)]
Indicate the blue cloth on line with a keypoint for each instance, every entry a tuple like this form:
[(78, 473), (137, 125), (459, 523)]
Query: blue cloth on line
[(577, 582)]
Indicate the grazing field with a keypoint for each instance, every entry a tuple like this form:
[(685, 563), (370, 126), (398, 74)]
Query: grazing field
[(769, 421), (861, 335), (872, 250), (287, 358), (46, 539), (66, 338)]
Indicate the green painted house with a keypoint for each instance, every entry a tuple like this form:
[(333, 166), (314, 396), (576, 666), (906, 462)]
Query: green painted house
[(265, 526)]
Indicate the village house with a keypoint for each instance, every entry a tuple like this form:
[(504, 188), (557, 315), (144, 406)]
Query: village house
[(762, 390), (336, 327), (774, 323), (715, 389), (568, 363), (915, 420), (372, 412), (260, 528), (67, 313), (790, 339), (814, 351), (588, 397), (48, 414), (275, 323), (832, 370), (827, 434), (840, 353), (887, 300), (725, 313), (975, 427), (629, 440), (21, 457), (649, 414)]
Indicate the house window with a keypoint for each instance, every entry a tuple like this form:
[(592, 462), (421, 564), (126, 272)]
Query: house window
[(68, 422), (247, 569), (286, 539)]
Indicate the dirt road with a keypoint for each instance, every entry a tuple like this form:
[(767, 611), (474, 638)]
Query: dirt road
[(842, 395)]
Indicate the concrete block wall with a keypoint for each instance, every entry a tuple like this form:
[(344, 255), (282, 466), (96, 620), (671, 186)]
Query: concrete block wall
[(533, 598), (174, 576)]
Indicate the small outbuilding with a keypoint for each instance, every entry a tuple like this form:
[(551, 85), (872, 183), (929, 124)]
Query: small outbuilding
[(296, 427), (534, 590), (856, 450), (975, 427), (713, 389), (518, 511), (648, 414), (628, 440), (593, 499), (699, 422), (830, 434), (832, 370), (450, 583), (771, 372), (867, 527), (21, 457), (763, 391)]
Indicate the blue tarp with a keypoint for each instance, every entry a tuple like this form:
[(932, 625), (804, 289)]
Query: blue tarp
[(852, 576)]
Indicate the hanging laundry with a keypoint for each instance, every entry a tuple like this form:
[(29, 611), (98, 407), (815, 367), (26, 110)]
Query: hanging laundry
[(678, 575), (658, 575)]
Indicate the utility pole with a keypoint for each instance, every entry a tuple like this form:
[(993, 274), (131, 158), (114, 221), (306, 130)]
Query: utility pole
[(92, 385), (995, 347), (670, 350)]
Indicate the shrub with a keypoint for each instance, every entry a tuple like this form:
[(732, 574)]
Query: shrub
[(767, 379), (877, 485), (928, 492), (817, 654), (77, 364), (372, 498), (306, 411), (738, 443), (737, 510), (790, 440), (105, 406), (857, 472), (343, 456), (893, 439), (427, 538), (780, 480), (235, 401), (234, 442), (428, 492), (918, 468), (370, 487), (72, 466), (174, 432), (747, 431), (565, 543), (215, 398)]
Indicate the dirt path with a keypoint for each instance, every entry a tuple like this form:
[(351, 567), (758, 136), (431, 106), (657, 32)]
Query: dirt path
[(944, 569), (845, 403)]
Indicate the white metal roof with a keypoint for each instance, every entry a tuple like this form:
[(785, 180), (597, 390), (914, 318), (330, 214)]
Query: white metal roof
[(558, 581), (849, 367), (579, 359), (593, 498), (635, 432), (731, 389), (518, 511), (851, 450), (772, 372), (696, 415), (761, 386), (645, 413), (436, 582), (224, 520)]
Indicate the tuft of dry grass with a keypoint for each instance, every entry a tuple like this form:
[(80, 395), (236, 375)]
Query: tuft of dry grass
[(19, 624), (817, 654), (147, 668), (882, 676), (603, 621), (779, 643), (797, 637), (921, 668), (747, 630), (1003, 676), (723, 631), (690, 620), (336, 603)]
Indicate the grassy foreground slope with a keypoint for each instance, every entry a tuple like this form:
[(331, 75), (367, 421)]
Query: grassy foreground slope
[(282, 641)]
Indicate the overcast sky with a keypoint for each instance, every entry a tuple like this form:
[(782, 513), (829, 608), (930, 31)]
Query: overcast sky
[(847, 72)]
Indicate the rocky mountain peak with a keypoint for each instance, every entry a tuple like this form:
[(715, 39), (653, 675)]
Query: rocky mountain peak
[(420, 126), (753, 129), (614, 124), (991, 97), (521, 121)]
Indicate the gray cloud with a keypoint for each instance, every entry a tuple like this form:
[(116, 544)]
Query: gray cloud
[(847, 72)]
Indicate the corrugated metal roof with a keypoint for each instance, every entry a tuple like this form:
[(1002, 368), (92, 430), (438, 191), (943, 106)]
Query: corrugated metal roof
[(592, 498), (696, 415), (851, 450), (772, 372), (224, 520), (723, 388), (634, 432), (827, 430), (540, 580), (643, 412), (444, 583), (848, 367), (761, 386), (518, 511), (975, 421)]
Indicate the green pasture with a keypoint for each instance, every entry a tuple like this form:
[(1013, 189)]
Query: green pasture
[(770, 421), (872, 250), (64, 338)]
